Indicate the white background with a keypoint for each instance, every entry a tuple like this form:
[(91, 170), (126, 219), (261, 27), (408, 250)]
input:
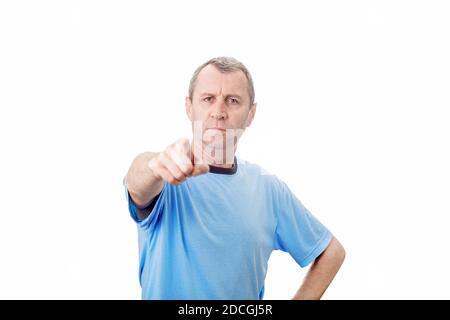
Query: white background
[(353, 113)]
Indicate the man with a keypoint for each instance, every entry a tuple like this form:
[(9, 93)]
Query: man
[(207, 220)]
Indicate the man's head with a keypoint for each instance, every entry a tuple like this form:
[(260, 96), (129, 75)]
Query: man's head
[(224, 65), (221, 97)]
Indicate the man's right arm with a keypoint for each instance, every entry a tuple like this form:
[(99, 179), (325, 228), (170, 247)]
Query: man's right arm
[(148, 171), (143, 185)]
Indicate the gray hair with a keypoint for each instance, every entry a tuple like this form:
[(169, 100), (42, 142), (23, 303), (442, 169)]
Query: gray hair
[(225, 65)]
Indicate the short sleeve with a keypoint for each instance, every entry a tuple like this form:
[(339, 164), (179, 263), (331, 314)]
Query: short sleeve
[(297, 231), (155, 214)]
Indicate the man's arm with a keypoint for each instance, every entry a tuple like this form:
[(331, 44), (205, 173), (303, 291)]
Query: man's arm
[(322, 272), (143, 185), (146, 176)]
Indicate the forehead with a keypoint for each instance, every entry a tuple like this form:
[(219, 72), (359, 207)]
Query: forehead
[(211, 80)]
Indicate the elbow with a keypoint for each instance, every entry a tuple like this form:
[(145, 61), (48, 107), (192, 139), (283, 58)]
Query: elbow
[(336, 252), (340, 253)]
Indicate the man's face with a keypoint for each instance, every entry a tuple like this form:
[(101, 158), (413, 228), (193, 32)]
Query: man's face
[(220, 101)]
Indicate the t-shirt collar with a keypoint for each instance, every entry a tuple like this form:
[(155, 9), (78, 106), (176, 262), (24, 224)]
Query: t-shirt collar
[(220, 170)]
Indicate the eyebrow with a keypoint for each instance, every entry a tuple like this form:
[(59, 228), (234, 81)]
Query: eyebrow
[(228, 95)]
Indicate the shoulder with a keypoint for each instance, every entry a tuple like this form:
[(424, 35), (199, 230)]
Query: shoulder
[(259, 174)]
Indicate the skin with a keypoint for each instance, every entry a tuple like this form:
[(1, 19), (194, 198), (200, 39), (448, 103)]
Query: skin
[(322, 272), (220, 100)]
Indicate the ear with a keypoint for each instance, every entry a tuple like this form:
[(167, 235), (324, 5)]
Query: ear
[(251, 115), (188, 106)]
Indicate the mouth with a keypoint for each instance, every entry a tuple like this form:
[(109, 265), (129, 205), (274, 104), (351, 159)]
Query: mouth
[(220, 129), (214, 134)]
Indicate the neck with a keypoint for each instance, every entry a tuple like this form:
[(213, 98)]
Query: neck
[(224, 170), (223, 165), (219, 158)]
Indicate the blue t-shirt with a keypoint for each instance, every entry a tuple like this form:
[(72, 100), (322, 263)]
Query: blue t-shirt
[(211, 237)]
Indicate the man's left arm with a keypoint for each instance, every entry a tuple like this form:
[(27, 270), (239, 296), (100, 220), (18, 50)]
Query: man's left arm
[(322, 272)]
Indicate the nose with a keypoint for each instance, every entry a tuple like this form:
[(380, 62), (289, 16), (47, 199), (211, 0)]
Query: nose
[(218, 111), (218, 115)]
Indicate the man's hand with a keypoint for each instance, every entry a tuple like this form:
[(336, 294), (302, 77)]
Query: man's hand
[(176, 163), (149, 170)]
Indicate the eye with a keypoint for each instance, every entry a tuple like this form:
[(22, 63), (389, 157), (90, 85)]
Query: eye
[(207, 99), (233, 100)]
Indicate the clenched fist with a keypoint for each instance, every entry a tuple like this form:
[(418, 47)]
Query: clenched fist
[(176, 163)]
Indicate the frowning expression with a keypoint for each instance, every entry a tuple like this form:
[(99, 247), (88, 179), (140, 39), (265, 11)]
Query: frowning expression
[(220, 101)]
